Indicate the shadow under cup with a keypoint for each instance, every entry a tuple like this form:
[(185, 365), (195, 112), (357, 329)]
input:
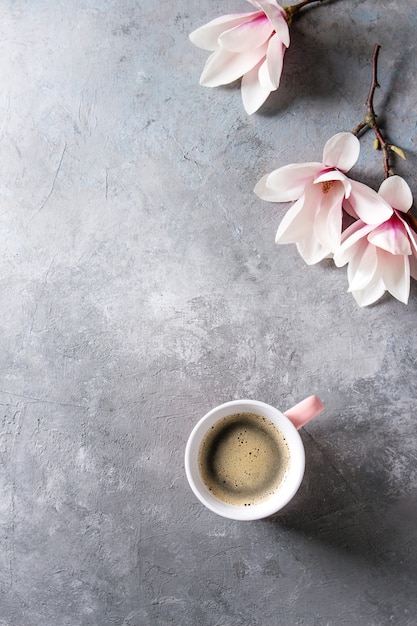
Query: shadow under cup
[(289, 484)]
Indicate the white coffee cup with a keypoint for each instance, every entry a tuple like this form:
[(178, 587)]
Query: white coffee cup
[(287, 423)]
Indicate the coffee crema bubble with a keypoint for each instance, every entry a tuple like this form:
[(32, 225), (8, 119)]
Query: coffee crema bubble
[(243, 459)]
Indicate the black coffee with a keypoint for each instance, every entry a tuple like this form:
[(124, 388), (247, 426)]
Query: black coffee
[(243, 459)]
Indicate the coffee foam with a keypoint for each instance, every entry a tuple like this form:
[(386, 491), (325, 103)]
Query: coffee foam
[(243, 459)]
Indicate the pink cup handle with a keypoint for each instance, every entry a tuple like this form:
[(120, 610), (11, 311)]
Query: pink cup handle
[(304, 411)]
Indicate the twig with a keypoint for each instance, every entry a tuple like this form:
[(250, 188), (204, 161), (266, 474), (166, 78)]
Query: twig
[(369, 121), (293, 10)]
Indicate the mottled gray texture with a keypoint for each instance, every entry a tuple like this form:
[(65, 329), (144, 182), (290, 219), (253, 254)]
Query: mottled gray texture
[(141, 286)]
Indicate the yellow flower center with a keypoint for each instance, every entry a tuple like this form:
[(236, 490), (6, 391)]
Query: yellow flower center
[(327, 185)]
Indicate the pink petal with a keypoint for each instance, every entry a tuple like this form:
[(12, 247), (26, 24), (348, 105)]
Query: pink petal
[(223, 67), (362, 267), (286, 183), (247, 35), (294, 225), (206, 36), (274, 63), (368, 205), (253, 92), (397, 193), (341, 151), (277, 17), (391, 236), (395, 272)]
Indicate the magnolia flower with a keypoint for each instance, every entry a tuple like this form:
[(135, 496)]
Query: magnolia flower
[(250, 46), (314, 222), (381, 256)]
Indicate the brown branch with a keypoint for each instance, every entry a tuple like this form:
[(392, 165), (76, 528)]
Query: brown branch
[(375, 83), (369, 121), (293, 10)]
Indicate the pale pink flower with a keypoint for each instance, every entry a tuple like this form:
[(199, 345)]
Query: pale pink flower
[(250, 46), (381, 256), (314, 222)]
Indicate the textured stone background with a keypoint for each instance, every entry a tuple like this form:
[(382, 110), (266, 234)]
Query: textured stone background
[(141, 286)]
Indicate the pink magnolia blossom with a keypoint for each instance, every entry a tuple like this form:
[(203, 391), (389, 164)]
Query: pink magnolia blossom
[(314, 222), (381, 256), (250, 46)]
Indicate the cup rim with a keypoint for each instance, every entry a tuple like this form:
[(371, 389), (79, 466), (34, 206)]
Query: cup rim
[(291, 481)]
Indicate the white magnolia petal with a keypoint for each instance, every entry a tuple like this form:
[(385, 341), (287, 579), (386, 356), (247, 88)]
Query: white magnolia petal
[(206, 36), (347, 184), (286, 183), (277, 17), (411, 233), (341, 257), (373, 292), (246, 36), (369, 206), (297, 226), (397, 193), (223, 67), (294, 225), (391, 236), (328, 220), (264, 77), (341, 151), (274, 61), (329, 174), (395, 272), (264, 191), (362, 267), (253, 92), (350, 242), (354, 233), (311, 250)]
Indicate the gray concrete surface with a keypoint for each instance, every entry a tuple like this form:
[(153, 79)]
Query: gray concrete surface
[(141, 286)]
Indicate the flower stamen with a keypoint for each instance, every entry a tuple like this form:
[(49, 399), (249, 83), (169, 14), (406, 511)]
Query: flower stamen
[(327, 185)]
